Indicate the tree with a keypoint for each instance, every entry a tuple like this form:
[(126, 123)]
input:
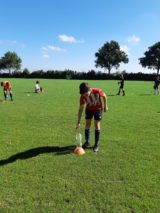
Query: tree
[(152, 58), (25, 73), (10, 61), (110, 55)]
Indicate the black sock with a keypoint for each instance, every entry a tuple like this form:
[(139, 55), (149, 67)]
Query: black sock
[(97, 136), (11, 96), (5, 96), (87, 135)]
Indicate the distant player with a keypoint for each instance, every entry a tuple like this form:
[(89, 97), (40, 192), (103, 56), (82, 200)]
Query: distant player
[(156, 85), (7, 89), (91, 98), (38, 88), (121, 86)]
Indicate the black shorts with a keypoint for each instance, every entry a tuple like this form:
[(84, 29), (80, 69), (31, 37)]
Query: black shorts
[(155, 87), (121, 86), (97, 114), (7, 89)]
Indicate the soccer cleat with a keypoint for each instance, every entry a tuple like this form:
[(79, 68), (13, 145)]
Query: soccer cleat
[(85, 145), (95, 148)]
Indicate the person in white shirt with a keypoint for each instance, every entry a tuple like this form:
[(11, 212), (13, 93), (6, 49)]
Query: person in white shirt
[(37, 87)]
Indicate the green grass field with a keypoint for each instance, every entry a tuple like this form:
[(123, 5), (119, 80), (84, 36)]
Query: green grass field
[(39, 171)]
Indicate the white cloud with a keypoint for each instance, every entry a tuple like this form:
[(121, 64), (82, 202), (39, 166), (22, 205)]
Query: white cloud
[(133, 39), (44, 48), (46, 56), (12, 42), (49, 48), (66, 38), (70, 39), (53, 48), (56, 49), (125, 49)]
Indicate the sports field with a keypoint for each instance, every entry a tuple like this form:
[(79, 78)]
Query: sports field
[(39, 171)]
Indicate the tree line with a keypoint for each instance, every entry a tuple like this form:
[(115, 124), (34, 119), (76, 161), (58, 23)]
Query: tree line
[(74, 75), (109, 56)]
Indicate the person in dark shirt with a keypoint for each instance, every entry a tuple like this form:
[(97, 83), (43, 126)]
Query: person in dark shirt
[(156, 85), (121, 85)]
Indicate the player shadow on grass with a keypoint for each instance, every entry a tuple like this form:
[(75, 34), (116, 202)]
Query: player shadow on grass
[(38, 151), (147, 94), (29, 92), (109, 95)]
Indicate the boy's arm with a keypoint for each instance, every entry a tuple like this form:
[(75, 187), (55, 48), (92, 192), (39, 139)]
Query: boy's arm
[(80, 111), (105, 103)]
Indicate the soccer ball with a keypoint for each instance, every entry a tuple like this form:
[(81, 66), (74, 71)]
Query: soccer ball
[(79, 151)]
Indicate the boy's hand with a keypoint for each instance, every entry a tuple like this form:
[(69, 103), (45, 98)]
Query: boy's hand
[(105, 109), (77, 125)]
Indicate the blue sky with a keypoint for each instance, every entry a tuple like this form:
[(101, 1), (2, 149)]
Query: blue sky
[(65, 34)]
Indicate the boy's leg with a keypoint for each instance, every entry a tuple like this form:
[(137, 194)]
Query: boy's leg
[(87, 133), (11, 96), (10, 93), (87, 136), (156, 91), (97, 119), (97, 135), (119, 91), (5, 94)]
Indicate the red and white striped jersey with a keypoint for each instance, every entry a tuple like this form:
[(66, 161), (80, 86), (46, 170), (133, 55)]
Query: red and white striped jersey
[(6, 85), (93, 101)]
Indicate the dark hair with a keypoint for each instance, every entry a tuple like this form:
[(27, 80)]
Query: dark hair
[(1, 83), (37, 82), (83, 88)]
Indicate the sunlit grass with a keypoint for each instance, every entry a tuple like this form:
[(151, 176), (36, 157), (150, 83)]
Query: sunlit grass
[(40, 172)]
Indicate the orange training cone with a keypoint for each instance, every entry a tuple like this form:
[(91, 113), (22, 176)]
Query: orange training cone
[(79, 151)]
